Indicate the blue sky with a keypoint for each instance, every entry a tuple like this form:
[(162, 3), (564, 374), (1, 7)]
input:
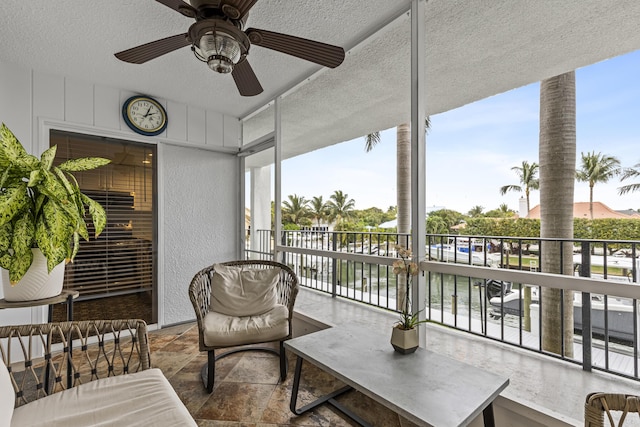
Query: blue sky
[(470, 150)]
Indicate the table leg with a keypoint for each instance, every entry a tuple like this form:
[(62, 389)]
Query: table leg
[(70, 308), (47, 370), (329, 398), (487, 416)]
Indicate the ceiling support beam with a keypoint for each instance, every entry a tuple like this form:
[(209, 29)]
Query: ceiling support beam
[(363, 40), (418, 154)]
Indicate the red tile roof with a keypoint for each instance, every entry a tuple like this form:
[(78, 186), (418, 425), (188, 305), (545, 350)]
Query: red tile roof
[(581, 210)]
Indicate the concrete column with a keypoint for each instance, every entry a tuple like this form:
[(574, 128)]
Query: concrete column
[(260, 194)]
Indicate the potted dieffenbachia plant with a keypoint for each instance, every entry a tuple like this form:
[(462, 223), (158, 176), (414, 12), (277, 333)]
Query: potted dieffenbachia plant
[(42, 212)]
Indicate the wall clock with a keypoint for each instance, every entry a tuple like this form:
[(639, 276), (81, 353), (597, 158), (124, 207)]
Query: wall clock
[(144, 115)]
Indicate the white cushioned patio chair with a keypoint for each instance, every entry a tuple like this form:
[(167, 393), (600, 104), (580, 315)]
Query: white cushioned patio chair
[(241, 304), (616, 406)]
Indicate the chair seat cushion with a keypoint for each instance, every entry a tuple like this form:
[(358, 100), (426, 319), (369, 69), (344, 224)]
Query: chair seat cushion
[(7, 395), (140, 399), (221, 330)]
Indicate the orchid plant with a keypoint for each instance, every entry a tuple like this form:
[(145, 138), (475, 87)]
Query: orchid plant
[(409, 268)]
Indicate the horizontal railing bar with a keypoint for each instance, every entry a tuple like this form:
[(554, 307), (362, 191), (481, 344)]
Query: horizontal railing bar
[(348, 256), (558, 281)]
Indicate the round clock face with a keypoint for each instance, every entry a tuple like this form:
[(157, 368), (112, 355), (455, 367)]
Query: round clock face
[(144, 115)]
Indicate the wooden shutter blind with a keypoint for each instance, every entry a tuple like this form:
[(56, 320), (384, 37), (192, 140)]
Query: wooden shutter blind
[(122, 259)]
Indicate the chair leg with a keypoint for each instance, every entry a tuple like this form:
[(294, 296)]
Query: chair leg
[(283, 362), (211, 370)]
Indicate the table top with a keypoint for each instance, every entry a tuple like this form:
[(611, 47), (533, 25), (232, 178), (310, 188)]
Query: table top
[(425, 387), (45, 301)]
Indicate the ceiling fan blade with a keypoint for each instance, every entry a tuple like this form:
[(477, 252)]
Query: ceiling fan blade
[(242, 6), (146, 52), (180, 6), (321, 53), (246, 79)]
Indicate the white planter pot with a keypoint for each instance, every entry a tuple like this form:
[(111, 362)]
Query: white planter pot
[(405, 341), (37, 283)]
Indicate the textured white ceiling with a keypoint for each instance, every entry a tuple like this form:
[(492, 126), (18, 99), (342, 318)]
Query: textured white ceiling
[(474, 49), (79, 37)]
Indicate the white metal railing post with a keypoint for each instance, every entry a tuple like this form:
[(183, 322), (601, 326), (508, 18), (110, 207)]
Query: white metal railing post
[(418, 153)]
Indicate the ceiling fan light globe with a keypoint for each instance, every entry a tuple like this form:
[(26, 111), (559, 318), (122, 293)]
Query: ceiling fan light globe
[(220, 64), (220, 44)]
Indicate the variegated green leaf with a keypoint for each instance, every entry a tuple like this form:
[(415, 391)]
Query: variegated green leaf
[(52, 187), (5, 175), (76, 247), (71, 189), (12, 201), (39, 201), (97, 213), (43, 237), (70, 209), (57, 222), (5, 261), (6, 236), (83, 164), (82, 230), (23, 234), (20, 263), (46, 159), (28, 162), (54, 247), (35, 177), (59, 255), (9, 145)]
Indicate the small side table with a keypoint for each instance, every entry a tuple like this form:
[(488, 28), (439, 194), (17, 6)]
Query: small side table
[(66, 297)]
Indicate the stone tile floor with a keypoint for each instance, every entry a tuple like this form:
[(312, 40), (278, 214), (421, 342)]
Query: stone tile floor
[(247, 391)]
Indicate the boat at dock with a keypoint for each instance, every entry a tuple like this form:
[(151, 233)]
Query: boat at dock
[(504, 299), (463, 251)]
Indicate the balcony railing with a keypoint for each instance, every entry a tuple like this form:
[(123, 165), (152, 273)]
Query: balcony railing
[(487, 286)]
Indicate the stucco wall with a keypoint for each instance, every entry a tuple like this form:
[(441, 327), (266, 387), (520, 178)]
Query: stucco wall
[(196, 177), (200, 221)]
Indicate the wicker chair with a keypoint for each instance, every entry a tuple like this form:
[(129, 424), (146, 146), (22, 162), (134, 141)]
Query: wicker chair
[(45, 363), (599, 404), (200, 295)]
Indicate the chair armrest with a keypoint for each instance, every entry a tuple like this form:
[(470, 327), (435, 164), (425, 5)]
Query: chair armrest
[(43, 358), (200, 292)]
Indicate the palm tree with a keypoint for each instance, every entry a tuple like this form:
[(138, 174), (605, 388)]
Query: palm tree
[(403, 179), (504, 210), (557, 154), (295, 209), (340, 206), (475, 211), (629, 173), (527, 174), (596, 168), (403, 171), (319, 209)]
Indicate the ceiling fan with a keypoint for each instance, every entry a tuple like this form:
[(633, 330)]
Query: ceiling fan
[(217, 38)]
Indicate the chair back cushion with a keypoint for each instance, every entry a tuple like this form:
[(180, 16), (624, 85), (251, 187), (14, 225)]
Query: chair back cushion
[(7, 396), (239, 291)]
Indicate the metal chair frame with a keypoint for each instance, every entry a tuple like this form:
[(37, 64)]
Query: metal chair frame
[(599, 404)]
